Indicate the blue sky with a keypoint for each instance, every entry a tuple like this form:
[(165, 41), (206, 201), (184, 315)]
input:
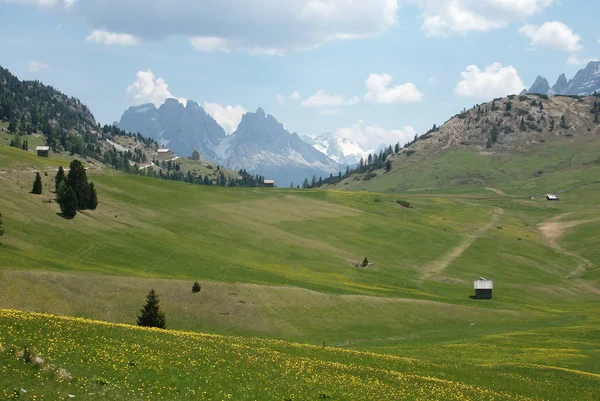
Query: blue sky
[(372, 70)]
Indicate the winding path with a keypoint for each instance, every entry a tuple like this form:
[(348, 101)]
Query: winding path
[(552, 229), (442, 263)]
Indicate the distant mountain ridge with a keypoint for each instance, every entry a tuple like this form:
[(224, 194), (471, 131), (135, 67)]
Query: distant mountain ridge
[(259, 145), (180, 128), (341, 150), (585, 82)]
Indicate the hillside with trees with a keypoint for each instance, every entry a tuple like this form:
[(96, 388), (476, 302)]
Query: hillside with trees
[(532, 141)]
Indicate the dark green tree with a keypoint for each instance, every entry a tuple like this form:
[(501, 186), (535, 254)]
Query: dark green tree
[(93, 201), (12, 126), (365, 262), (397, 147), (37, 185), (552, 124), (370, 159), (1, 226), (68, 204), (77, 180), (313, 181), (388, 165), (523, 126), (60, 176), (305, 184), (151, 315), (196, 287), (563, 122)]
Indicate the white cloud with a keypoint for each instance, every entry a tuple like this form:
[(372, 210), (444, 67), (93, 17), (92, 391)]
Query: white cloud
[(379, 91), (442, 17), (494, 81), (254, 26), (331, 111), (110, 38), (228, 117), (209, 44), (36, 66), (370, 137), (574, 60), (322, 99), (295, 95), (552, 34), (279, 98), (147, 88)]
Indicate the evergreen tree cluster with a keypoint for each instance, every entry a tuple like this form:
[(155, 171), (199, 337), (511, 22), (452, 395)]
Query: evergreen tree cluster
[(37, 185), (73, 192), (16, 143)]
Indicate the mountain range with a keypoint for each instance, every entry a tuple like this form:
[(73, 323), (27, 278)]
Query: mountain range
[(259, 145), (585, 82), (342, 150)]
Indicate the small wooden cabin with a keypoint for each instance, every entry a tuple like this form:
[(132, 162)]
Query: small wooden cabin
[(43, 151), (483, 288), (269, 183)]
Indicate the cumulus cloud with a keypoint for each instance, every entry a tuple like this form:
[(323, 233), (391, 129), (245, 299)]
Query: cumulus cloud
[(256, 26), (147, 88), (228, 117), (379, 90), (295, 95), (554, 34), (494, 81), (110, 38), (322, 99), (372, 136), (36, 66), (442, 17)]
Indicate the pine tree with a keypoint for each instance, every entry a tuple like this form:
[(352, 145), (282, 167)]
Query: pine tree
[(93, 201), (77, 180), (12, 126), (563, 122), (150, 314), (37, 185), (397, 147), (1, 226), (552, 124), (60, 175), (305, 184), (365, 262), (196, 287), (388, 166), (68, 204), (313, 181)]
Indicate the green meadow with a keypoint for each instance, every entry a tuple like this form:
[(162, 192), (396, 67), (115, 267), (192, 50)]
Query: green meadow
[(278, 269)]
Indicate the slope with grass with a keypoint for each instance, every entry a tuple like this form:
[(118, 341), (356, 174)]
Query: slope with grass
[(280, 264), (95, 363), (528, 158)]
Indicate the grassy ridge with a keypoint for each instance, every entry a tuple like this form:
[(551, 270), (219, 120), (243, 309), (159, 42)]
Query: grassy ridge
[(96, 363)]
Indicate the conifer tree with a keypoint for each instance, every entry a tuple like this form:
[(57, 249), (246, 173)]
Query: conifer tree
[(1, 226), (150, 314), (68, 204), (93, 201), (397, 147), (60, 175), (196, 287), (388, 166), (77, 180), (37, 185)]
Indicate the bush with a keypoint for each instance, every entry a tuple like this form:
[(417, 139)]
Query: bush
[(377, 200), (365, 262), (411, 152), (523, 98), (403, 203), (369, 176), (196, 287)]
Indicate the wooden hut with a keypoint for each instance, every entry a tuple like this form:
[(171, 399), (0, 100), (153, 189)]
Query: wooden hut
[(483, 288), (43, 151)]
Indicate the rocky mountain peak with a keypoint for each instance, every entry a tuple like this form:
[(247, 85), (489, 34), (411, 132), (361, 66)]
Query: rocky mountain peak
[(540, 85)]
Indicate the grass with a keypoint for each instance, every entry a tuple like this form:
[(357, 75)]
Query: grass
[(96, 363), (279, 264)]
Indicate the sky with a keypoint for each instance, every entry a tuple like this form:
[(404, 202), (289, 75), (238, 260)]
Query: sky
[(374, 71)]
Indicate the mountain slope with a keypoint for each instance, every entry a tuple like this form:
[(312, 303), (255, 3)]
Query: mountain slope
[(517, 144), (261, 144)]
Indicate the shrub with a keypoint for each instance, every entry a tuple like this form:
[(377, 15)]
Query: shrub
[(377, 200), (411, 152), (464, 115), (369, 176), (196, 287), (403, 203), (523, 98), (365, 262)]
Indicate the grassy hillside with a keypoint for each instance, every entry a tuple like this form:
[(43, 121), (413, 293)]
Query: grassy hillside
[(97, 364), (528, 158), (281, 264)]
